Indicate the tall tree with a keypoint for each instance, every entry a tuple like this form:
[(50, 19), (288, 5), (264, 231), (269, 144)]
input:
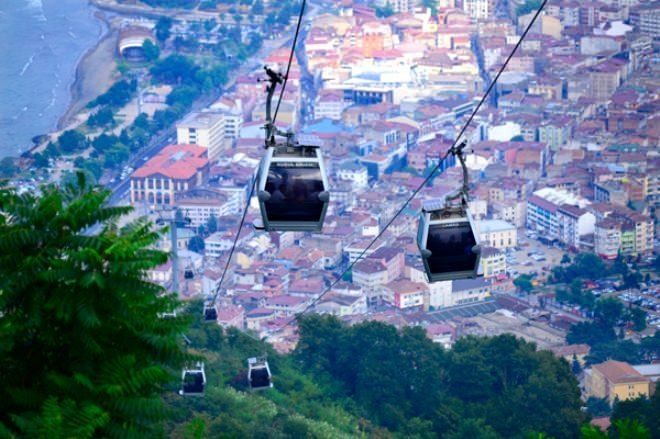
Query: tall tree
[(83, 350), (163, 28)]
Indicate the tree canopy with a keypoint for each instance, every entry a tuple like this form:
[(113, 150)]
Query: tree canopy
[(83, 350)]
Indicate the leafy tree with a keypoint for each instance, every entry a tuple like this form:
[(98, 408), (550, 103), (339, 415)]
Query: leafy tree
[(598, 407), (517, 138), (151, 51), (40, 160), (104, 142), (212, 224), (142, 121), (116, 155), (101, 118), (67, 298), (163, 28), (642, 410), (118, 95), (650, 347), (565, 259), (72, 141), (432, 5), (638, 318), (524, 283), (609, 311), (175, 69), (196, 244), (385, 11), (7, 167), (183, 96), (575, 365), (473, 429), (620, 350), (591, 333), (528, 6)]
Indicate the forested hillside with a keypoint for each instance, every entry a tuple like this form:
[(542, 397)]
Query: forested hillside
[(371, 379)]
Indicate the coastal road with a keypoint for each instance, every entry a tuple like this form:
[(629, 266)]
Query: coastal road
[(120, 188)]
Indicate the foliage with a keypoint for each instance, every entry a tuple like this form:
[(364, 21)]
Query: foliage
[(151, 51), (643, 410), (175, 69), (163, 28), (67, 298), (101, 118), (384, 11), (637, 316), (212, 224), (118, 95), (402, 380), (528, 6), (598, 407), (72, 141), (620, 350), (432, 5), (196, 244), (7, 167), (524, 283), (185, 4), (584, 266)]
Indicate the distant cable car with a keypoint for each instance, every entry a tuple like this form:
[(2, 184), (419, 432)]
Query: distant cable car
[(193, 380), (259, 376), (292, 188), (446, 239), (210, 313)]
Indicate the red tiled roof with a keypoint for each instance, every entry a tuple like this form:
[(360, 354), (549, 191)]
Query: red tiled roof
[(179, 162)]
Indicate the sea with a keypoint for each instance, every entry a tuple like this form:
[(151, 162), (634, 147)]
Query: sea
[(41, 42)]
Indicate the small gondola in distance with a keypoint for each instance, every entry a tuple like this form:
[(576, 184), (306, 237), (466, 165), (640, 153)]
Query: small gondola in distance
[(259, 376), (447, 241), (193, 380), (293, 188)]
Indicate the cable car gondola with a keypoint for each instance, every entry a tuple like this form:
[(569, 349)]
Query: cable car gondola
[(447, 242), (193, 380), (292, 188), (210, 313), (259, 376)]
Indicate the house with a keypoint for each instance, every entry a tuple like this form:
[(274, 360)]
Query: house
[(442, 334), (231, 315), (493, 262), (497, 233), (469, 290), (340, 305), (616, 381), (568, 352)]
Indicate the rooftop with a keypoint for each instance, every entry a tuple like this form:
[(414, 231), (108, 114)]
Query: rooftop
[(618, 372), (179, 162)]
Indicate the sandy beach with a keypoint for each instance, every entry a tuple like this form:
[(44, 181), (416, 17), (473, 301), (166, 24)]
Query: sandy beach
[(95, 72)]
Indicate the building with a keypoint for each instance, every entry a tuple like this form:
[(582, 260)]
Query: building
[(493, 262), (380, 268), (648, 19), (616, 381), (630, 234), (574, 223), (205, 129), (479, 9), (200, 204), (341, 305), (469, 291), (355, 173), (543, 217), (403, 293), (497, 233), (176, 169), (216, 245), (329, 104), (396, 5)]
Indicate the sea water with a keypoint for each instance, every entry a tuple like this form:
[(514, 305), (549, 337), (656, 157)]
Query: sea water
[(41, 42)]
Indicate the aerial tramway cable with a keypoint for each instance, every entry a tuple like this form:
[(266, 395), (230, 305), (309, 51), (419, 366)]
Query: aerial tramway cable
[(456, 148), (254, 180)]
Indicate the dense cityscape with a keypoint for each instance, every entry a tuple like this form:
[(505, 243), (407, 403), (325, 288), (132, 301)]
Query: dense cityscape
[(564, 171)]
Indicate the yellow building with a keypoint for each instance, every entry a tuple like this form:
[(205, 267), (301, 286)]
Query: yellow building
[(616, 380), (493, 262)]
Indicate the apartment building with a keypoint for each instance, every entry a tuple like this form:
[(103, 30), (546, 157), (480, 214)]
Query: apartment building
[(479, 9), (176, 169), (543, 217), (200, 204), (206, 129), (630, 234), (574, 223), (493, 262)]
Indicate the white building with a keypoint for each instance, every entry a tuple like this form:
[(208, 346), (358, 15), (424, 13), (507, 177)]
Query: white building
[(573, 224), (341, 305), (217, 244), (497, 233), (205, 129), (479, 9), (200, 204), (329, 104), (543, 216), (469, 291), (355, 173)]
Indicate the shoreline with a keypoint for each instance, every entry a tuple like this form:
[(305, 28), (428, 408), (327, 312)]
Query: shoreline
[(76, 92)]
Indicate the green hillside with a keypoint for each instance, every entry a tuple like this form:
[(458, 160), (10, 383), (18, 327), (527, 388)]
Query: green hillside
[(373, 380)]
